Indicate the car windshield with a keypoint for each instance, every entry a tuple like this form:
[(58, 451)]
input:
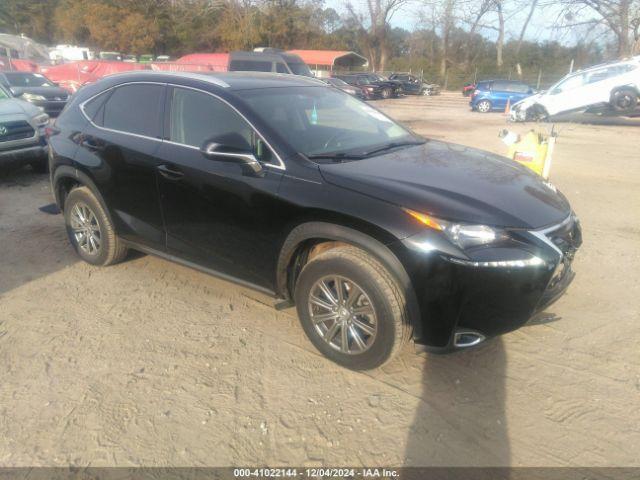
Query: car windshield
[(27, 80), (322, 122)]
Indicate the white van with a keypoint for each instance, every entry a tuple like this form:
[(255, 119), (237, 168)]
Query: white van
[(615, 86)]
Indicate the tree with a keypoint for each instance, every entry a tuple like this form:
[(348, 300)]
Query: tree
[(619, 17), (373, 28)]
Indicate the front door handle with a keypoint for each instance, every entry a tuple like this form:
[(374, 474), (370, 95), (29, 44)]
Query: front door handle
[(170, 173)]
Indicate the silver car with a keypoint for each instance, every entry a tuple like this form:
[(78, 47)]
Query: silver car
[(22, 133)]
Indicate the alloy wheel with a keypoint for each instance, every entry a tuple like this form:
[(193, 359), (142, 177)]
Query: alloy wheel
[(342, 314), (484, 106), (86, 229)]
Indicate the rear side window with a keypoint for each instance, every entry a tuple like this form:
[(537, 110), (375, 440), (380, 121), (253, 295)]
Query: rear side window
[(92, 108), (134, 109), (281, 68), (249, 66)]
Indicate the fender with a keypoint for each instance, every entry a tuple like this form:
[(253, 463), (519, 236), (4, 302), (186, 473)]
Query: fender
[(339, 233), (65, 171)]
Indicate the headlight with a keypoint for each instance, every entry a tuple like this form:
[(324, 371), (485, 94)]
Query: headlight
[(32, 97), (41, 119), (462, 235)]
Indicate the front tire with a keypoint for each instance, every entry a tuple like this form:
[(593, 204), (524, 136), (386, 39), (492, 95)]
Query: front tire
[(352, 308), (89, 229), (624, 100), (386, 93), (483, 106)]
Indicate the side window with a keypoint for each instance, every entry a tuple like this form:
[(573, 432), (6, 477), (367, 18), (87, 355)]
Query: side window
[(135, 108), (249, 66), (93, 108), (281, 68), (520, 88), (500, 87), (198, 118)]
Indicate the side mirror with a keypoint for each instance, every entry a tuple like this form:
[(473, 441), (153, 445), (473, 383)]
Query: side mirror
[(217, 150)]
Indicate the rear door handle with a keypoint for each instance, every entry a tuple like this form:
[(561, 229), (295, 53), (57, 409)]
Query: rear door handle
[(170, 173)]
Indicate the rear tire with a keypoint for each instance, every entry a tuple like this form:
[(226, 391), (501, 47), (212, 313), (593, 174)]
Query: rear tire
[(624, 100), (375, 334), (386, 93), (89, 229)]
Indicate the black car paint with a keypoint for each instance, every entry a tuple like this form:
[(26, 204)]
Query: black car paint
[(371, 89), (255, 229)]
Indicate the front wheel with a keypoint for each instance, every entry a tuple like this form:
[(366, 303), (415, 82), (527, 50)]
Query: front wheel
[(484, 106), (352, 308), (624, 100), (386, 92)]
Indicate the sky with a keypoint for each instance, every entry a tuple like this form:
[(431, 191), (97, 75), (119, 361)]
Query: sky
[(540, 28)]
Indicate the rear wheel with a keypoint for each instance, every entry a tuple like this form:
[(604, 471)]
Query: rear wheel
[(483, 106), (624, 100), (90, 230), (386, 92), (351, 308)]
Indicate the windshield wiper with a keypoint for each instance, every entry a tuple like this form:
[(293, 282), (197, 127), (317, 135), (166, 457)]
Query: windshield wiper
[(337, 157), (391, 145)]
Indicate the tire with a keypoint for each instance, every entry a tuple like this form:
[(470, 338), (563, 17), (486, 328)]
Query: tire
[(40, 166), (483, 106), (624, 100), (102, 247), (375, 293), (386, 93)]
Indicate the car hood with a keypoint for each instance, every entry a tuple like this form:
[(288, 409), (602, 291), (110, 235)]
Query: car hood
[(14, 106), (456, 183), (47, 92), (527, 101)]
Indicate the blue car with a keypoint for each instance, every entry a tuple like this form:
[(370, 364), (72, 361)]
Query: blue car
[(492, 95)]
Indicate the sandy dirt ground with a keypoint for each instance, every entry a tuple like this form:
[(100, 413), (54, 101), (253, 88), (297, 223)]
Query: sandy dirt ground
[(150, 363)]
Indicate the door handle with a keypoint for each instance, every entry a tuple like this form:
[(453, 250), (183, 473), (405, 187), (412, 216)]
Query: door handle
[(170, 173)]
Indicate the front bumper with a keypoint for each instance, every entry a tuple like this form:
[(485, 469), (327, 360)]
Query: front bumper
[(453, 297), (23, 153)]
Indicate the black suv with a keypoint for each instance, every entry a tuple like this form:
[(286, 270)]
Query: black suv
[(290, 186), (372, 85)]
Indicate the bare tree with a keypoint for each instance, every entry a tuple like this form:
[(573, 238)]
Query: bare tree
[(620, 17), (374, 26)]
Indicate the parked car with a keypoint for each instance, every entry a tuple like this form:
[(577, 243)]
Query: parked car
[(130, 59), (613, 87), (286, 185), (37, 89), (344, 86), (295, 64), (410, 84), (467, 89), (372, 86), (22, 135), (491, 95), (146, 58), (163, 58), (113, 56)]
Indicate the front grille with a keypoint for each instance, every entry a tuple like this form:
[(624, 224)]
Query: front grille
[(16, 130), (567, 237)]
